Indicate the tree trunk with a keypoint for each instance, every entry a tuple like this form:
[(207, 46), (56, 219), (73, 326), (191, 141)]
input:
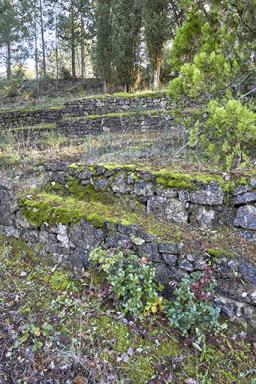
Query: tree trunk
[(73, 45), (8, 61), (36, 58), (42, 38), (82, 47), (56, 52), (157, 73), (105, 86), (127, 88)]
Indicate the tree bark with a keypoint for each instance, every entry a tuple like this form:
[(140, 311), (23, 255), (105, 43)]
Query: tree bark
[(82, 47), (73, 45), (42, 39), (157, 73), (105, 86), (8, 61)]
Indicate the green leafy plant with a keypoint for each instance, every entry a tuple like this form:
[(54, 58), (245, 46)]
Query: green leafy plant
[(132, 280), (192, 311), (228, 135)]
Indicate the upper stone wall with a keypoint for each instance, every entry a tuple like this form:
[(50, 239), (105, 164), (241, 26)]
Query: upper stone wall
[(84, 107), (107, 104), (206, 201)]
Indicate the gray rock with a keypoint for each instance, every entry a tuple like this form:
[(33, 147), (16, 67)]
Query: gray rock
[(242, 189), (22, 222), (184, 196), (84, 175), (85, 236), (6, 209), (62, 235), (142, 188), (186, 265), (166, 192), (169, 259), (135, 231), (246, 217), (172, 210), (173, 248), (205, 217), (249, 197), (211, 194), (117, 239), (12, 232), (79, 258), (100, 184), (120, 184), (248, 272), (30, 236), (150, 251)]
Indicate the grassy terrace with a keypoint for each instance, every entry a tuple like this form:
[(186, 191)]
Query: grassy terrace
[(57, 324)]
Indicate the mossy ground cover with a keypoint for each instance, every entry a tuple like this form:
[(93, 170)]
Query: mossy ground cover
[(61, 325)]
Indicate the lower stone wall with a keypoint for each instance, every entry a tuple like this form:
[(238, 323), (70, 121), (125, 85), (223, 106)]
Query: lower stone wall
[(71, 244)]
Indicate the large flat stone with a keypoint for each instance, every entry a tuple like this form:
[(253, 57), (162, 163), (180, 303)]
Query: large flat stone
[(212, 194), (246, 217)]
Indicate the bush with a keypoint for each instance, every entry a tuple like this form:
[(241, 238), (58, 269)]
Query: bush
[(192, 311), (132, 280), (209, 74), (228, 135)]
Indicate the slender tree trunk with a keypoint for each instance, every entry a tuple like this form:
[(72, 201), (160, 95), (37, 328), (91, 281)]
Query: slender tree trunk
[(8, 61), (105, 86), (42, 38), (82, 47), (157, 73), (73, 45), (127, 88), (36, 57), (56, 52)]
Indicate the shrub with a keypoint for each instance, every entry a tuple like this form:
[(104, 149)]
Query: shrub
[(228, 135), (192, 311), (207, 75), (132, 280)]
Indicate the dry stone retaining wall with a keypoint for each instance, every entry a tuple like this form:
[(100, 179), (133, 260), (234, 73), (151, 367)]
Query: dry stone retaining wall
[(199, 203), (71, 244)]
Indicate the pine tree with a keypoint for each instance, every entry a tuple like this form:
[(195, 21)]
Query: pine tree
[(104, 41), (10, 32), (155, 21), (126, 24)]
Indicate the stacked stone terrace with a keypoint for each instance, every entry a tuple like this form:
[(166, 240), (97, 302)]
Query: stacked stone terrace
[(81, 207), (94, 115)]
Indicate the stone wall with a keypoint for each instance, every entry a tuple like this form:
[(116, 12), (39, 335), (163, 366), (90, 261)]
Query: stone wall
[(197, 200), (83, 107), (80, 128), (104, 105), (71, 244), (26, 118), (132, 123)]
